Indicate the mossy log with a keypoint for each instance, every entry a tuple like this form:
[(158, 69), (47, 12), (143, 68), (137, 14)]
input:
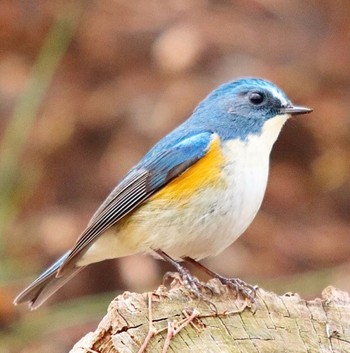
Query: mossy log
[(173, 321)]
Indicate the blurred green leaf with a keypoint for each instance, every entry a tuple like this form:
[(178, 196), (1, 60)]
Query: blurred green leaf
[(59, 317), (15, 184)]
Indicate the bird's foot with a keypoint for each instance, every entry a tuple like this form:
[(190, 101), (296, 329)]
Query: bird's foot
[(247, 290), (192, 283), (240, 287)]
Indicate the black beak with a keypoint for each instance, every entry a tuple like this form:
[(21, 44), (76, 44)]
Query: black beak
[(293, 110)]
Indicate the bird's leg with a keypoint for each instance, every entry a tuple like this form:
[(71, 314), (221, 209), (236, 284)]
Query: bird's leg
[(247, 290), (191, 282)]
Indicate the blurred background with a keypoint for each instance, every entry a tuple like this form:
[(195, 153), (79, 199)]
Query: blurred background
[(87, 87)]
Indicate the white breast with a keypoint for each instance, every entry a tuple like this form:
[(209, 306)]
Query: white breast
[(248, 174), (231, 210)]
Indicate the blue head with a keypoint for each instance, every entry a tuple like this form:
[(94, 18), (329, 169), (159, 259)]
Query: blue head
[(237, 110), (241, 108)]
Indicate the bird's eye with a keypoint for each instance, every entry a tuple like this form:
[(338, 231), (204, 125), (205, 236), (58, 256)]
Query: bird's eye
[(256, 98)]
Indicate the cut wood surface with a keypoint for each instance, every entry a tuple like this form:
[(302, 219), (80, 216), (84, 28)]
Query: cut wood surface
[(171, 320)]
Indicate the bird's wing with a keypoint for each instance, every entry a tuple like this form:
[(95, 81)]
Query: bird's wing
[(149, 176)]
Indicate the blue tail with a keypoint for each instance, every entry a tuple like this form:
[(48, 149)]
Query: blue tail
[(46, 284)]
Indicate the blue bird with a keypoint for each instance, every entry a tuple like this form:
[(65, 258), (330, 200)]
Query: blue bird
[(192, 195)]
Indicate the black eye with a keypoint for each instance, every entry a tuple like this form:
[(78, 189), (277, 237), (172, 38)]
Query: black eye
[(256, 98)]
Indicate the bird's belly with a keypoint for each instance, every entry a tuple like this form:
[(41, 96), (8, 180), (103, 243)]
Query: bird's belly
[(201, 225), (210, 224)]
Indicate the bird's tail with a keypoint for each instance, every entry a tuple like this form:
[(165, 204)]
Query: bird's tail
[(46, 284)]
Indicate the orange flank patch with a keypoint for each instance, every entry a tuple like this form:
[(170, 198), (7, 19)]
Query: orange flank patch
[(204, 173)]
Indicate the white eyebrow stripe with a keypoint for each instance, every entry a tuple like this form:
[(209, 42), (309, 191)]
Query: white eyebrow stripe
[(278, 94)]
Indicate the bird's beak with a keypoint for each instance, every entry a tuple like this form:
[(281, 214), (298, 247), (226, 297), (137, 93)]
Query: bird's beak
[(294, 110)]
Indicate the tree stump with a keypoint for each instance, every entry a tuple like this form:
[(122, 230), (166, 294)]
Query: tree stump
[(171, 320)]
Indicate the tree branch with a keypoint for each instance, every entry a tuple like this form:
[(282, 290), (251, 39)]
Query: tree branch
[(173, 321)]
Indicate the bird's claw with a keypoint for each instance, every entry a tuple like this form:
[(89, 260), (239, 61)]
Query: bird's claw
[(247, 290), (191, 282), (197, 288)]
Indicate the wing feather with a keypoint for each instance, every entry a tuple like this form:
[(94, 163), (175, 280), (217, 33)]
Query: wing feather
[(156, 171)]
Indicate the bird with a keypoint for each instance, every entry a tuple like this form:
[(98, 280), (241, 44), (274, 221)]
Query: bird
[(191, 195)]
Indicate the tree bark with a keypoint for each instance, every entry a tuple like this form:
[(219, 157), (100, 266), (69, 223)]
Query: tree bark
[(173, 321)]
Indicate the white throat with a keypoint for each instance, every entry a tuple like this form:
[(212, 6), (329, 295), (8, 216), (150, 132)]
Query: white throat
[(270, 132)]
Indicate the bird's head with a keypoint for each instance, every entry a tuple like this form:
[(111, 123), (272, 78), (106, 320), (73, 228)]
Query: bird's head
[(246, 107)]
